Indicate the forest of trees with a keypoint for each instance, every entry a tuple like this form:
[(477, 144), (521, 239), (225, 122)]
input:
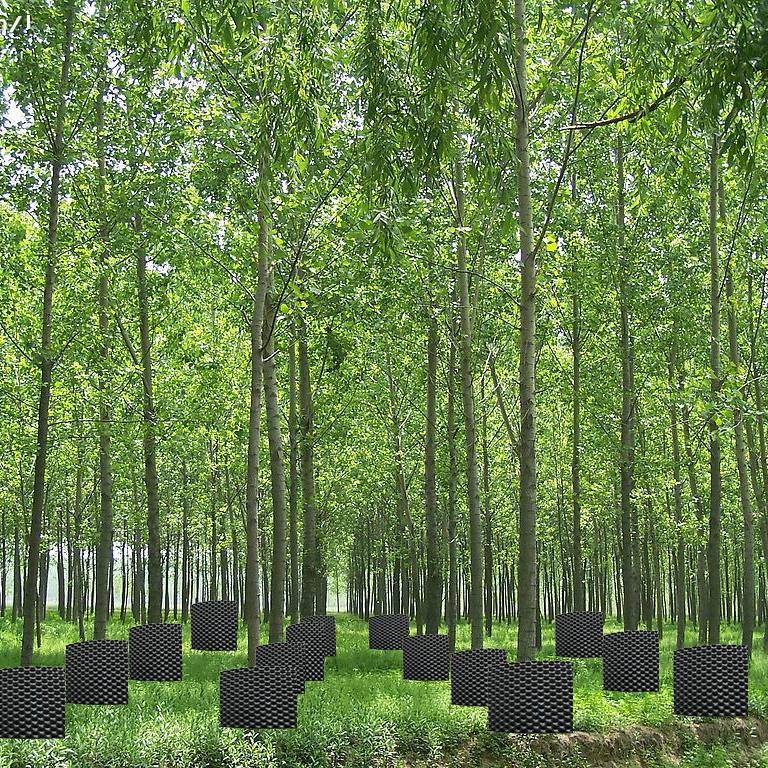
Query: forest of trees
[(453, 308)]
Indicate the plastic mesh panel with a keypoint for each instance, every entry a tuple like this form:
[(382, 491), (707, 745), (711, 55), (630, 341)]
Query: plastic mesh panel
[(154, 652), (631, 661), (312, 636), (387, 632), (32, 703), (469, 675), (292, 655), (328, 623), (257, 697), (426, 657), (579, 635), (711, 681), (97, 672), (531, 697), (213, 626)]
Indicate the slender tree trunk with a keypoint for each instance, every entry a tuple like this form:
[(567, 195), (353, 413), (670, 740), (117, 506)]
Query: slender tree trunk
[(748, 597), (453, 585), (488, 519), (277, 474), (715, 492), (433, 587), (631, 586), (677, 490), (184, 544), (106, 533), (528, 605), (579, 600), (149, 416), (309, 565), (293, 480), (252, 595), (470, 438), (46, 354)]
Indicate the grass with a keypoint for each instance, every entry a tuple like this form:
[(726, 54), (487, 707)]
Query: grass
[(363, 714)]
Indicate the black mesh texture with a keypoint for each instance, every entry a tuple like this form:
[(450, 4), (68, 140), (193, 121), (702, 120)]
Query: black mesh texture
[(154, 652), (631, 661), (97, 672), (469, 675), (579, 635), (426, 657), (711, 681), (292, 655), (213, 626), (531, 697), (328, 623), (32, 703), (312, 636), (257, 697), (387, 632)]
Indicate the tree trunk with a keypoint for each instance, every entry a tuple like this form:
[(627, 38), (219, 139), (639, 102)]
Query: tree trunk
[(631, 586), (748, 597), (309, 565), (106, 533), (528, 605), (433, 587), (470, 439), (277, 475), (149, 416), (715, 492), (293, 480), (252, 594), (579, 600), (680, 612), (453, 586), (184, 545), (46, 355)]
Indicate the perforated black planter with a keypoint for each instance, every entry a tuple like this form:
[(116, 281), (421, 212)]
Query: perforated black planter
[(154, 652), (531, 697), (711, 681), (32, 703), (631, 661), (579, 635), (426, 657), (328, 623), (257, 697), (292, 655), (213, 626), (97, 672), (312, 636), (387, 632), (469, 675)]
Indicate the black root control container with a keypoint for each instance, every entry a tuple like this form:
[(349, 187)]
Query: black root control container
[(426, 657), (328, 623), (257, 697), (711, 681), (154, 652), (292, 655), (531, 697), (32, 703), (97, 672), (469, 675), (631, 661), (312, 636), (579, 635), (387, 632), (213, 625)]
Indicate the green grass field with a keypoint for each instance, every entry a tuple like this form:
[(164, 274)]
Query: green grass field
[(363, 714)]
